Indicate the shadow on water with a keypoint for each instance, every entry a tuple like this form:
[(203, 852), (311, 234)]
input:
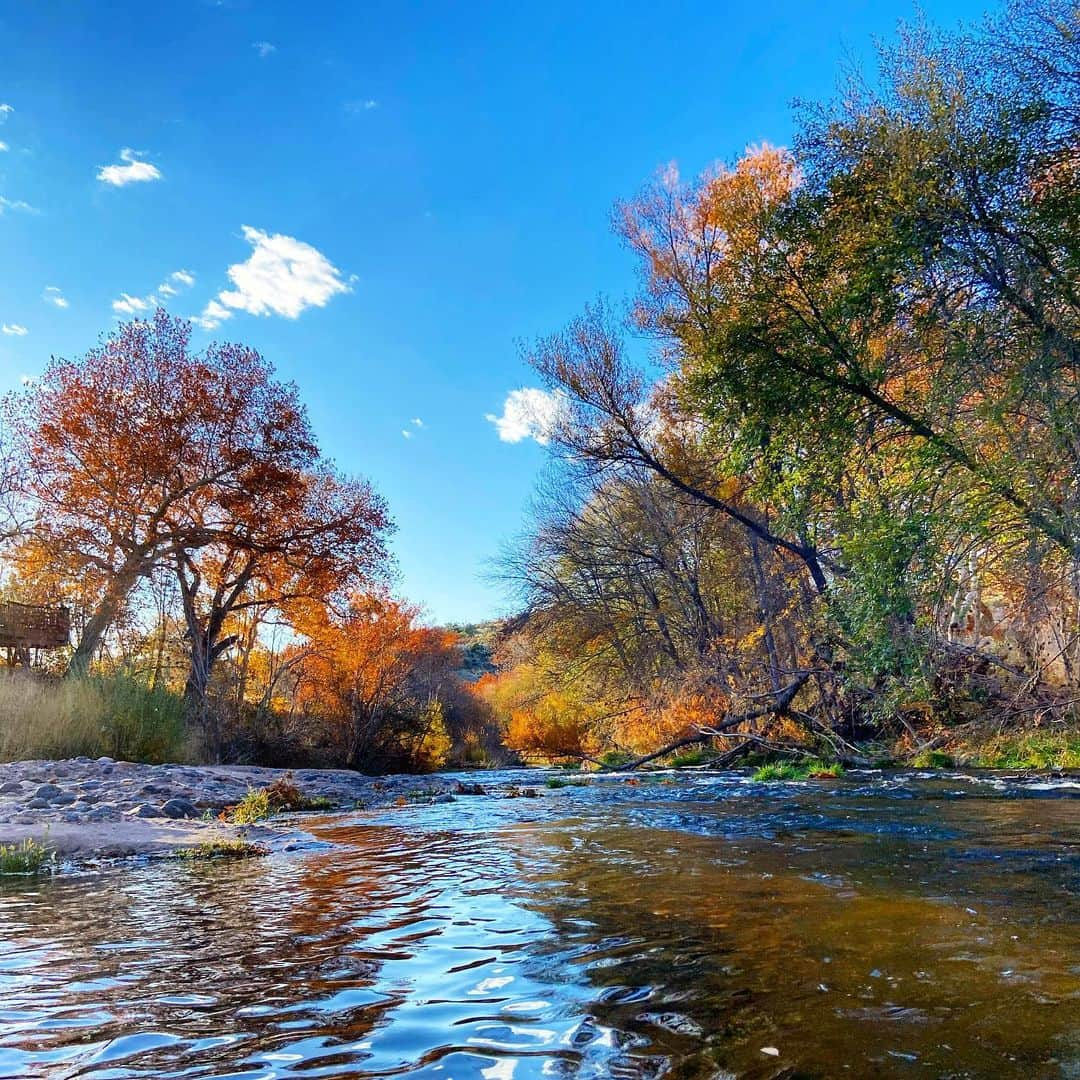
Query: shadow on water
[(709, 928)]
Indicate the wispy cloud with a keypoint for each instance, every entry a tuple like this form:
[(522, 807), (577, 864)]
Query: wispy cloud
[(282, 276), (406, 433), (55, 296), (264, 49), (361, 106), (417, 422), (133, 171), (5, 111), (14, 330), (529, 413), (16, 204), (4, 147), (178, 280)]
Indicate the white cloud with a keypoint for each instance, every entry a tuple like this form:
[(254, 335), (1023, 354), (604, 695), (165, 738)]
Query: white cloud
[(15, 204), (134, 171), (4, 147), (365, 105), (406, 433), (176, 280), (132, 305), (53, 295), (417, 422), (5, 111), (264, 49), (282, 276), (529, 413), (14, 330)]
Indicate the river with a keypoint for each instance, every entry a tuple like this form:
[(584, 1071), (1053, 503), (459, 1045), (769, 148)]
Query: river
[(698, 926)]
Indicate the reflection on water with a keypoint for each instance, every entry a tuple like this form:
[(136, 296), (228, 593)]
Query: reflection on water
[(705, 929)]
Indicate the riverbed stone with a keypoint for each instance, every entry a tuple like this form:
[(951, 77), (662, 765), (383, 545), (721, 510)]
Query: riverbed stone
[(10, 787), (179, 808), (47, 791), (63, 798), (37, 804), (144, 810)]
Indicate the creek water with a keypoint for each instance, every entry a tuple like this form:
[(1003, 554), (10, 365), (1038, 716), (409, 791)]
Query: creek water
[(693, 926)]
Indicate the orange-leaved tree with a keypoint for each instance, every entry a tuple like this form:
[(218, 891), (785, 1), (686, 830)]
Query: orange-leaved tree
[(144, 449)]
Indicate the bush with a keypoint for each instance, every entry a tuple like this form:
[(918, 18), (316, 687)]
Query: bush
[(812, 769), (1038, 750), (254, 806), (114, 715)]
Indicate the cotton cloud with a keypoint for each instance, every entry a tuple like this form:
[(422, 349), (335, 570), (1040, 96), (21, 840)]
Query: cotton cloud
[(55, 296), (14, 330), (264, 49), (282, 276), (177, 280), (529, 413), (5, 111), (406, 433), (4, 147), (133, 171)]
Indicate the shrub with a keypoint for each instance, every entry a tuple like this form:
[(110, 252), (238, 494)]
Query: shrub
[(1038, 750), (933, 759)]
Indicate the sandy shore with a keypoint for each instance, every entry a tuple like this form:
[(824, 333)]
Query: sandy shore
[(89, 809)]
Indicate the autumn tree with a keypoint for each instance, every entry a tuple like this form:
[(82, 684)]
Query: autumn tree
[(144, 450), (371, 676)]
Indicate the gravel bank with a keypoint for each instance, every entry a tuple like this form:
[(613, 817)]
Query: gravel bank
[(88, 809)]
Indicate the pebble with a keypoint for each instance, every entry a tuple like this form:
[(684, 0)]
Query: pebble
[(37, 804), (47, 791), (10, 786), (144, 810)]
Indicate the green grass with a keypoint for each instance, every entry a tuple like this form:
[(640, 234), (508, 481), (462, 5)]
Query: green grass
[(27, 857), (1037, 750), (690, 758), (812, 769), (254, 806), (559, 782), (222, 849), (933, 759)]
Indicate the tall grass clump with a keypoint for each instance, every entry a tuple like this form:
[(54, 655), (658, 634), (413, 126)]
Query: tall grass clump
[(113, 715), (28, 857)]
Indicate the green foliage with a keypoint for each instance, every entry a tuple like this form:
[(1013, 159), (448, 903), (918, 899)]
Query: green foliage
[(933, 759), (612, 759), (27, 857), (254, 806), (114, 715), (222, 849), (1039, 750), (690, 758), (812, 769)]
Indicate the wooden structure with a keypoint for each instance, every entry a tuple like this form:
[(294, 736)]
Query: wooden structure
[(32, 626)]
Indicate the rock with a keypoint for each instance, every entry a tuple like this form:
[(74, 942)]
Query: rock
[(445, 797), (10, 787), (179, 808), (47, 791), (469, 789), (144, 810), (106, 761), (37, 804), (65, 798)]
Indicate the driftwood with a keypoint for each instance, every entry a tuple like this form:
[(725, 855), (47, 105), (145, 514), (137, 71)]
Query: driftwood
[(780, 704)]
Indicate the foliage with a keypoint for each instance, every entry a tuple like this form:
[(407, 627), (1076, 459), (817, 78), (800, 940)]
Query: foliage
[(27, 857), (1035, 750), (255, 806)]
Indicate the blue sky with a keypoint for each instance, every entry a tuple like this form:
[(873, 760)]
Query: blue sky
[(423, 186)]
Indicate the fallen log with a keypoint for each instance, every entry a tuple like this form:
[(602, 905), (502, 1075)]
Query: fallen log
[(780, 704)]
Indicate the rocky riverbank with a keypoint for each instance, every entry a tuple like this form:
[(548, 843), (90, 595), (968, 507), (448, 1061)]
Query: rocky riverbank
[(100, 808)]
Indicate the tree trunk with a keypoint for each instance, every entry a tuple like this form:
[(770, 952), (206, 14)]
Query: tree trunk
[(104, 616)]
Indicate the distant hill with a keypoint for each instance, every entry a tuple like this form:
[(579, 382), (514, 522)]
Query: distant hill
[(477, 646)]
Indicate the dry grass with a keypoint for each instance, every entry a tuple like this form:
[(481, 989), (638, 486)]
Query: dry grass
[(116, 716)]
